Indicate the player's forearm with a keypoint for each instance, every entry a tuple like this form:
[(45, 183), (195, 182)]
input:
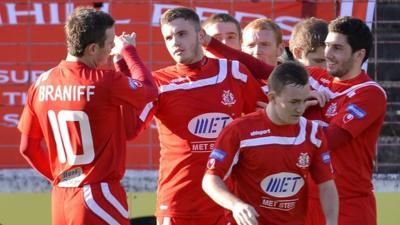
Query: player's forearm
[(33, 153), (42, 168), (120, 65), (329, 201), (132, 124), (139, 71), (216, 189), (258, 69)]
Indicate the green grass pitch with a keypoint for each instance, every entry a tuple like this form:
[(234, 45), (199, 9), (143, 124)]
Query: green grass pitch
[(34, 209)]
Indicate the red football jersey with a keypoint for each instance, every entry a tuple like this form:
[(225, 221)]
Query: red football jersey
[(77, 111), (357, 106), (195, 102), (268, 165)]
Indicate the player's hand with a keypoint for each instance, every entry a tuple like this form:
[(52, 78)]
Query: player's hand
[(206, 40), (261, 105), (317, 98), (123, 40), (116, 57), (244, 214)]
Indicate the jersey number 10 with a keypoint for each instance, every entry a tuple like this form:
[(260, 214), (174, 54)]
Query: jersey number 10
[(63, 140)]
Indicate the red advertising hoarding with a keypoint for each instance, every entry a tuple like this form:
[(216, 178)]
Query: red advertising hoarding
[(32, 41)]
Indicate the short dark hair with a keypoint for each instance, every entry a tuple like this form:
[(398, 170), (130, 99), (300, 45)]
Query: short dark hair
[(222, 18), (285, 74), (358, 34), (309, 34), (181, 12), (85, 26)]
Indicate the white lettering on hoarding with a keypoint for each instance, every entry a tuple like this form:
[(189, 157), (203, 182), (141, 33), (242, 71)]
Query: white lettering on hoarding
[(240, 15), (286, 23), (39, 15), (12, 77), (10, 120), (159, 9), (15, 97), (204, 13), (37, 12)]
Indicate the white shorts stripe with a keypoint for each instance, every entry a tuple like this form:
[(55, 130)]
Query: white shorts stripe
[(114, 202), (165, 221), (92, 204)]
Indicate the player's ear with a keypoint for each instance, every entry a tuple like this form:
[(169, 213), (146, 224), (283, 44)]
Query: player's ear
[(281, 48), (271, 96), (202, 35), (360, 54), (91, 49), (297, 53)]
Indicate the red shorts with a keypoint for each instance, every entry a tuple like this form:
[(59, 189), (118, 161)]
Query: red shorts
[(191, 221), (352, 211), (358, 211), (98, 204)]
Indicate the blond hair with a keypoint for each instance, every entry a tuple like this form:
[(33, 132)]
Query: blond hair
[(265, 24)]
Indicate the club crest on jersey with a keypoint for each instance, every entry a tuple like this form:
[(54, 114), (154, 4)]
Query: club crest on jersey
[(227, 98), (331, 112), (303, 160)]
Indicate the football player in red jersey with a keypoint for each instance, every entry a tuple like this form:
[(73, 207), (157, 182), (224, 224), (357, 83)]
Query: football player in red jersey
[(225, 28), (262, 38), (307, 42), (76, 109), (353, 116), (198, 96), (269, 155)]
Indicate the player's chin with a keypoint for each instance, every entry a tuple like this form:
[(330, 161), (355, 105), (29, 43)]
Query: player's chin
[(179, 59), (294, 119)]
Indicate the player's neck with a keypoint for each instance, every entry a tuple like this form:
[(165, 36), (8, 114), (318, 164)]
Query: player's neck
[(85, 60), (351, 74), (273, 116), (192, 66)]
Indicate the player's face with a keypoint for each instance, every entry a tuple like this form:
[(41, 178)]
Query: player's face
[(339, 57), (262, 44), (183, 41), (290, 104), (315, 58), (103, 53), (226, 33)]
